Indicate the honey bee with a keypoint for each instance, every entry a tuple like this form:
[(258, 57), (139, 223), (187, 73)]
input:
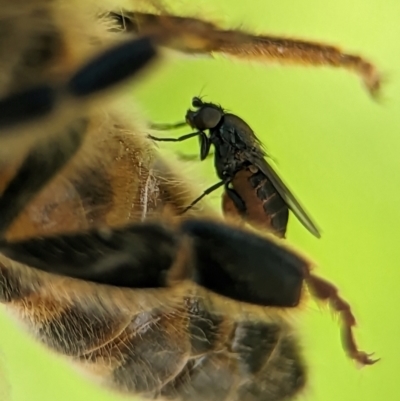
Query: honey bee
[(253, 189), (150, 305)]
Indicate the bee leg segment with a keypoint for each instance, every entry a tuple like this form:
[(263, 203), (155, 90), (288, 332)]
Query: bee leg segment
[(244, 266), (325, 291), (26, 106), (205, 193), (136, 256), (42, 163), (112, 67), (180, 139), (195, 36)]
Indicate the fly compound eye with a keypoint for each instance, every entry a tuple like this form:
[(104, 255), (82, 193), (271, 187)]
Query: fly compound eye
[(208, 117)]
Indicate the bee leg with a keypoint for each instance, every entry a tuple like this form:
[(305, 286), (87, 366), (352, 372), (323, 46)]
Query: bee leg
[(26, 106), (179, 139), (195, 36), (325, 291), (42, 163), (243, 265), (112, 67), (205, 193), (136, 256), (234, 263), (104, 71)]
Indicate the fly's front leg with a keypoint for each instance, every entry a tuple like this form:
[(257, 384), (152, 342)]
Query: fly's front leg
[(179, 139), (168, 127)]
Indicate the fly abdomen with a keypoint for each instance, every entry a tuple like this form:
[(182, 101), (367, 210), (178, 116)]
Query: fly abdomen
[(273, 204), (263, 206)]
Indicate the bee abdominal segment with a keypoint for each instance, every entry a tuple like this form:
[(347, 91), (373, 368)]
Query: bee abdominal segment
[(134, 351)]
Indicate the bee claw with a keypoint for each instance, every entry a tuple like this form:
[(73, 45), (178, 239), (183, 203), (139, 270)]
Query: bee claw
[(365, 359)]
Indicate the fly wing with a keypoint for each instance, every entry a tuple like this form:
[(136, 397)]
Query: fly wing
[(284, 191), (245, 137)]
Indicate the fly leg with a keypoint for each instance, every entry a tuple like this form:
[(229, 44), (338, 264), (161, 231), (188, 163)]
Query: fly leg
[(191, 158), (179, 139), (205, 193), (205, 143), (237, 201), (168, 127)]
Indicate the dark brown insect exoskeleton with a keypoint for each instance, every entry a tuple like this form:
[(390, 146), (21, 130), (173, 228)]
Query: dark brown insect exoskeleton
[(252, 187), (177, 308)]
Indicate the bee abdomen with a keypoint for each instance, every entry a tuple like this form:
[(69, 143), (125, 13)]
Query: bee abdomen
[(246, 361), (270, 357)]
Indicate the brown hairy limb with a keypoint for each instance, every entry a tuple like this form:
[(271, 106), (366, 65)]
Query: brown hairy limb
[(325, 291), (191, 35)]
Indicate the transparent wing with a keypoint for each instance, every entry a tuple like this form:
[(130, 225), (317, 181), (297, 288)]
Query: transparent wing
[(293, 204)]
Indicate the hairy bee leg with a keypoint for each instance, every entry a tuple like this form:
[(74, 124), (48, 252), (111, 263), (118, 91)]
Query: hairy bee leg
[(112, 67), (238, 264), (208, 191), (179, 139), (42, 163), (167, 127), (103, 72), (244, 266), (26, 106), (190, 35), (135, 256), (325, 291)]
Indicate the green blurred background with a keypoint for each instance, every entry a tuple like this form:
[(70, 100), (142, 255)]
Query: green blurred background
[(339, 152)]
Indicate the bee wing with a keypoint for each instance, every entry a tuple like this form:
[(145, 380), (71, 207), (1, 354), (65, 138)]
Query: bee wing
[(287, 196)]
